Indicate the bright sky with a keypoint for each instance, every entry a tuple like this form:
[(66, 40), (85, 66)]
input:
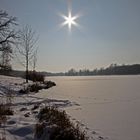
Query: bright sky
[(109, 32)]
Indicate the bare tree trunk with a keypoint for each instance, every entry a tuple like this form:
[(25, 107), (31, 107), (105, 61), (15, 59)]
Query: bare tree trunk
[(27, 67), (26, 72), (34, 60), (27, 47)]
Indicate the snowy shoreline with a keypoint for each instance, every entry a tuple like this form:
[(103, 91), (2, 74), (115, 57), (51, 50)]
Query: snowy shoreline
[(21, 125)]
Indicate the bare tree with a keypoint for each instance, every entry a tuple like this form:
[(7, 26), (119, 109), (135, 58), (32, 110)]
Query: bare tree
[(7, 39), (26, 46), (7, 33), (6, 56), (34, 60)]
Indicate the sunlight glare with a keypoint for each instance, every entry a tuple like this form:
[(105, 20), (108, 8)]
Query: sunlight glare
[(69, 20)]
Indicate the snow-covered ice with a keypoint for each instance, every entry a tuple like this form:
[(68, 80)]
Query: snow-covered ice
[(109, 105)]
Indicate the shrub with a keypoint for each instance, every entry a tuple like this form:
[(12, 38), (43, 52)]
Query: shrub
[(5, 110), (65, 129), (31, 88), (36, 76), (72, 133), (35, 87), (49, 84), (39, 129), (54, 116), (25, 90)]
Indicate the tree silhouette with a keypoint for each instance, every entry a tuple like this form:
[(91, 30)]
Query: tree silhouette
[(7, 33), (26, 46), (7, 39)]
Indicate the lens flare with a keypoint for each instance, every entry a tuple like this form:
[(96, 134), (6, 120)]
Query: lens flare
[(69, 20)]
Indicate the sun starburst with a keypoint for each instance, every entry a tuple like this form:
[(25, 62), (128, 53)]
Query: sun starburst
[(70, 20)]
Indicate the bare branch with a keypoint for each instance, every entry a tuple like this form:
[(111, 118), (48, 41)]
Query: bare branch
[(26, 47), (7, 33)]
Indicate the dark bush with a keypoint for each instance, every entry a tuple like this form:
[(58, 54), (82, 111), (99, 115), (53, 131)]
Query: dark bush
[(36, 76), (54, 116), (5, 110), (24, 91), (35, 87), (65, 129), (72, 133), (49, 84), (39, 129)]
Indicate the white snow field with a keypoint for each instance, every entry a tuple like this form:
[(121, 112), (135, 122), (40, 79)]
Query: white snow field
[(108, 105)]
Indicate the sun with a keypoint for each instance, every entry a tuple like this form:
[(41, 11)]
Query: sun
[(70, 20)]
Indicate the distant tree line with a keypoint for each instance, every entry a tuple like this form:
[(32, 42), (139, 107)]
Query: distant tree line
[(113, 69)]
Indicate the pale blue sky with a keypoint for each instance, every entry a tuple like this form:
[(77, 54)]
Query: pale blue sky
[(109, 32)]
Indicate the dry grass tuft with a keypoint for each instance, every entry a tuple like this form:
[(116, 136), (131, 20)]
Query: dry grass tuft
[(64, 128)]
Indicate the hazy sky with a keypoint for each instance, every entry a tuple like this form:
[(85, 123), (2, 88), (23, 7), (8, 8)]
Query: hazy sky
[(109, 32)]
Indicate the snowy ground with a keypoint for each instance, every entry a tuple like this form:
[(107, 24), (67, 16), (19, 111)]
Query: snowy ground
[(21, 125)]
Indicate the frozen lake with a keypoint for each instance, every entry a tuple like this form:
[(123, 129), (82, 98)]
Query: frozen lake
[(109, 105)]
